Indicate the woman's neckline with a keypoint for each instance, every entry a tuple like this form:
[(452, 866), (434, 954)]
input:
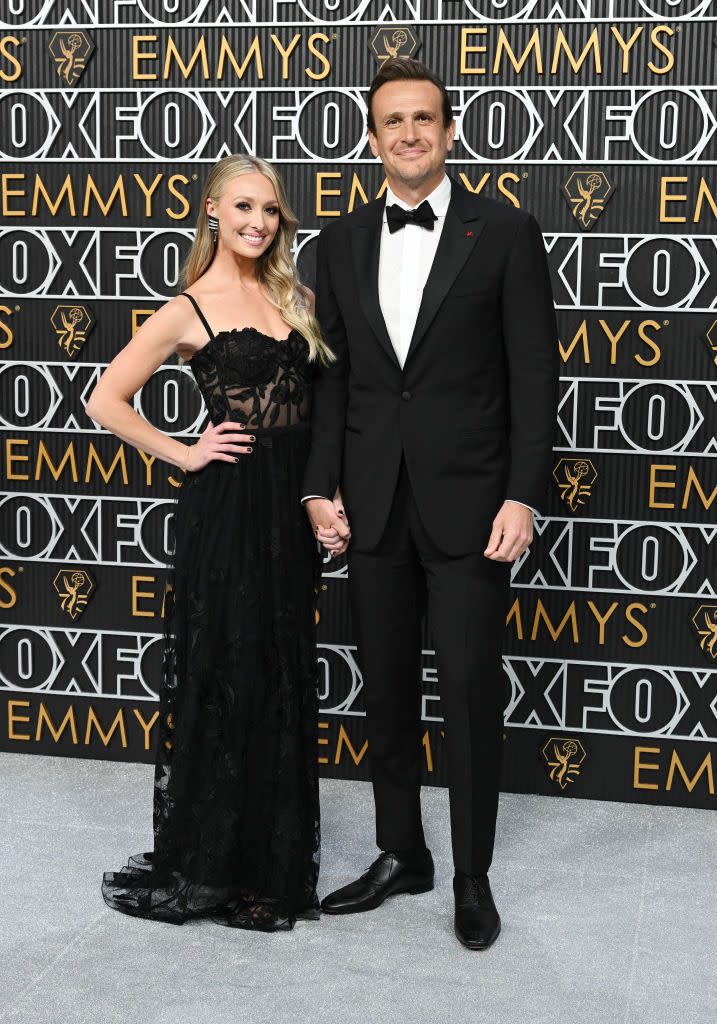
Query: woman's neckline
[(241, 330)]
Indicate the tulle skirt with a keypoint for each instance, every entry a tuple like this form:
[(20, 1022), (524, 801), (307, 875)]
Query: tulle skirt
[(236, 809)]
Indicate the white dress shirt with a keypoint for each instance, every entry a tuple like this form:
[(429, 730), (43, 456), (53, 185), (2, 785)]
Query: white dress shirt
[(404, 264), (405, 261)]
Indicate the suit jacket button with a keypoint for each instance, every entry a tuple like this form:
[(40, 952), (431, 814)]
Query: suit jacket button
[(406, 396)]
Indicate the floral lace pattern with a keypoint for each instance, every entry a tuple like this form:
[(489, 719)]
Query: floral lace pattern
[(236, 810), (251, 378)]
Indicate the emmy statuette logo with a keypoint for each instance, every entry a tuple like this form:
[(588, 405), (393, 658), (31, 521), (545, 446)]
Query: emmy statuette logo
[(73, 587), (394, 42), (588, 193), (704, 621), (71, 51), (72, 324), (575, 478), (564, 757)]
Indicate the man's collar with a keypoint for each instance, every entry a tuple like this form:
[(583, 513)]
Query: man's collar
[(439, 198)]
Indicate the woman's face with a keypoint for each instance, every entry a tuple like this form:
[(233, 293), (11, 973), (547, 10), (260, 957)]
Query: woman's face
[(248, 214)]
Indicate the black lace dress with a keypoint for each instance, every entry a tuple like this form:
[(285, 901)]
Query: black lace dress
[(236, 810)]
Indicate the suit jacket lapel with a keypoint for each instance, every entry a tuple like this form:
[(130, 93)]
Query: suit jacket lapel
[(461, 229), (366, 247)]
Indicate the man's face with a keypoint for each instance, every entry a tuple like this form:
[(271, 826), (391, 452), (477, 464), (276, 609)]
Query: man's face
[(410, 138)]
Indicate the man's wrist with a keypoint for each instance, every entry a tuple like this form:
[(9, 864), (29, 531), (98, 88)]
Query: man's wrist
[(516, 502)]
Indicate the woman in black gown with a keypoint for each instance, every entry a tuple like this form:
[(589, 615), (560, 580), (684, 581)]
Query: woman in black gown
[(236, 812)]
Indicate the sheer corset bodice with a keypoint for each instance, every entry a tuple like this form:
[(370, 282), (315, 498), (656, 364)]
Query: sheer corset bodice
[(236, 794), (251, 378)]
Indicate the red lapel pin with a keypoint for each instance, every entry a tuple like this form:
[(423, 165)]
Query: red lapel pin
[(469, 234)]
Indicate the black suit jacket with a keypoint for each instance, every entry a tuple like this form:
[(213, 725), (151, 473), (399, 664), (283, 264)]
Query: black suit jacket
[(473, 408)]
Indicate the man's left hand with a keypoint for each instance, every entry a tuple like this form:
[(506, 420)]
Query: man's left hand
[(511, 534)]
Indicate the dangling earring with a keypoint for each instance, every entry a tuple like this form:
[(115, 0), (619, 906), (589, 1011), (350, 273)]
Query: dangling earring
[(213, 227)]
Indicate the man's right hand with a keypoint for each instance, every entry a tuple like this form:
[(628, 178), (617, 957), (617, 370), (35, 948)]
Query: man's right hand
[(330, 529)]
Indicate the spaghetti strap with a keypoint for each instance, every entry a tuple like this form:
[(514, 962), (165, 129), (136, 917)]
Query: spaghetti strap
[(199, 313)]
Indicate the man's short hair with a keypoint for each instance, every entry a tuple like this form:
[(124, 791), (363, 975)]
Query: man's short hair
[(397, 69)]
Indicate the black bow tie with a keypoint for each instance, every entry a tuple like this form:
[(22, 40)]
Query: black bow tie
[(423, 215)]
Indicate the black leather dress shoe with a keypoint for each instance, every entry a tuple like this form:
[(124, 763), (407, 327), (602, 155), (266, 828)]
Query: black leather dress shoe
[(477, 922), (388, 875)]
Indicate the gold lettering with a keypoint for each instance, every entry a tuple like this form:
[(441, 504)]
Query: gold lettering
[(117, 723), (321, 211), (466, 48), (323, 742), (7, 193), (650, 342), (93, 458), (6, 329), (66, 191), (640, 766), (200, 53), (138, 55), (285, 53), (541, 614), (662, 30), (138, 318), (693, 481), (186, 208), (580, 335), (345, 741), (356, 190), (515, 613), (44, 716), (11, 458), (320, 37), (629, 615), (427, 748), (475, 189), (576, 63), (11, 599), (148, 191), (656, 484), (43, 456), (13, 717), (626, 46), (5, 43), (142, 595), (146, 726), (703, 193), (602, 619), (532, 44), (614, 338), (675, 197), (253, 53), (690, 783), (91, 191)]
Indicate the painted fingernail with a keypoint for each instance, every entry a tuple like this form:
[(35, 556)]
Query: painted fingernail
[(250, 449), (251, 437)]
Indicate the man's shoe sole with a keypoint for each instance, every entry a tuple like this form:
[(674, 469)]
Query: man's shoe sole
[(469, 944), (375, 904)]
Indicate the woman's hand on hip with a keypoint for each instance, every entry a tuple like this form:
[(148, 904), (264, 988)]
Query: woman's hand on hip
[(220, 443)]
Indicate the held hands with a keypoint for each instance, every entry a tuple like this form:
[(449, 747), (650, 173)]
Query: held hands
[(329, 522), (219, 443), (511, 534)]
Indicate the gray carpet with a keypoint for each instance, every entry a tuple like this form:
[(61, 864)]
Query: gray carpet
[(609, 914)]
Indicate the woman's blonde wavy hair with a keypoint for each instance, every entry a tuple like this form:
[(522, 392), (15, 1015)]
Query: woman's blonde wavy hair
[(276, 269)]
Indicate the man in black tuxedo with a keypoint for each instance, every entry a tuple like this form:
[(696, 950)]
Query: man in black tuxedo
[(436, 421)]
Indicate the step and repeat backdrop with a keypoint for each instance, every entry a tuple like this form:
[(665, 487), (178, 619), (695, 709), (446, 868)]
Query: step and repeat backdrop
[(600, 116)]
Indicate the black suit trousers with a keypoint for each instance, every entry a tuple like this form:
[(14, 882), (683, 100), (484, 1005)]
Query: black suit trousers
[(467, 602)]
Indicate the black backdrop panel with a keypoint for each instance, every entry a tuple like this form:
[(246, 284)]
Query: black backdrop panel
[(601, 118)]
